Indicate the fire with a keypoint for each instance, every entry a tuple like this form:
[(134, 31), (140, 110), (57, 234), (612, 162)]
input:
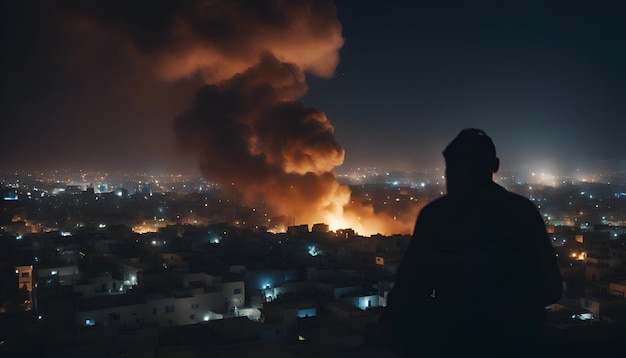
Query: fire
[(247, 124), (337, 221)]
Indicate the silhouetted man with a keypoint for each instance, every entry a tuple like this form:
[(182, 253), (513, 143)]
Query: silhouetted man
[(479, 270)]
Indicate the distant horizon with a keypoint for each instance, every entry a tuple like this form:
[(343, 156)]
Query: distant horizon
[(190, 169), (591, 168), (176, 162)]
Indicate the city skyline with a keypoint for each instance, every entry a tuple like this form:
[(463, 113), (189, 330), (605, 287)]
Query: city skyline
[(545, 81), (269, 98)]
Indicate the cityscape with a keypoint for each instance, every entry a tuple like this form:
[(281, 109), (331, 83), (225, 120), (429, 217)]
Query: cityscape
[(235, 178), (121, 264)]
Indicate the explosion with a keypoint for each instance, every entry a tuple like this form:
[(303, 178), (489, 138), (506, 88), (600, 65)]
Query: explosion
[(247, 125), (252, 131)]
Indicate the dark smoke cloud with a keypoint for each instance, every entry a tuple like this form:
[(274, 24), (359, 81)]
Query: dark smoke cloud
[(219, 38), (252, 131), (247, 125)]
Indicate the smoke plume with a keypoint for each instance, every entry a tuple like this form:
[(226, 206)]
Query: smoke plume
[(250, 131), (247, 125)]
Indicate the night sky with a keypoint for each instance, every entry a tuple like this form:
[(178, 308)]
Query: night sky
[(546, 80)]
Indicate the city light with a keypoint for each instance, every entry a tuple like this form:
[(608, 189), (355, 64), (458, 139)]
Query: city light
[(314, 251)]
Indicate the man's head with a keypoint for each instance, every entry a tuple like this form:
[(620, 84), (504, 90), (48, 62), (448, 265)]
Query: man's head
[(470, 160)]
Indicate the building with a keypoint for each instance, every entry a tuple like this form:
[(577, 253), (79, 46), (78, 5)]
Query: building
[(196, 301)]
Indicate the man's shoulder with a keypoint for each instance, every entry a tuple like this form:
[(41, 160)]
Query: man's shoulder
[(495, 193), (515, 199), (437, 204), (437, 208)]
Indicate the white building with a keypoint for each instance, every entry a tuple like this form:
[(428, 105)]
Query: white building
[(206, 301)]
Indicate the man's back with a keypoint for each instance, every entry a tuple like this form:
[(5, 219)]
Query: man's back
[(485, 257)]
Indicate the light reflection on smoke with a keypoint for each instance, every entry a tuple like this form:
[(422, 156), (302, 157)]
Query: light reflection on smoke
[(247, 126)]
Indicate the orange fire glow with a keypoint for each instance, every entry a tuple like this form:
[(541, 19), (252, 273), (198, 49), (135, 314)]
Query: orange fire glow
[(247, 125)]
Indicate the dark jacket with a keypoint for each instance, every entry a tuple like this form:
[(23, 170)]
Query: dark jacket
[(477, 276)]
